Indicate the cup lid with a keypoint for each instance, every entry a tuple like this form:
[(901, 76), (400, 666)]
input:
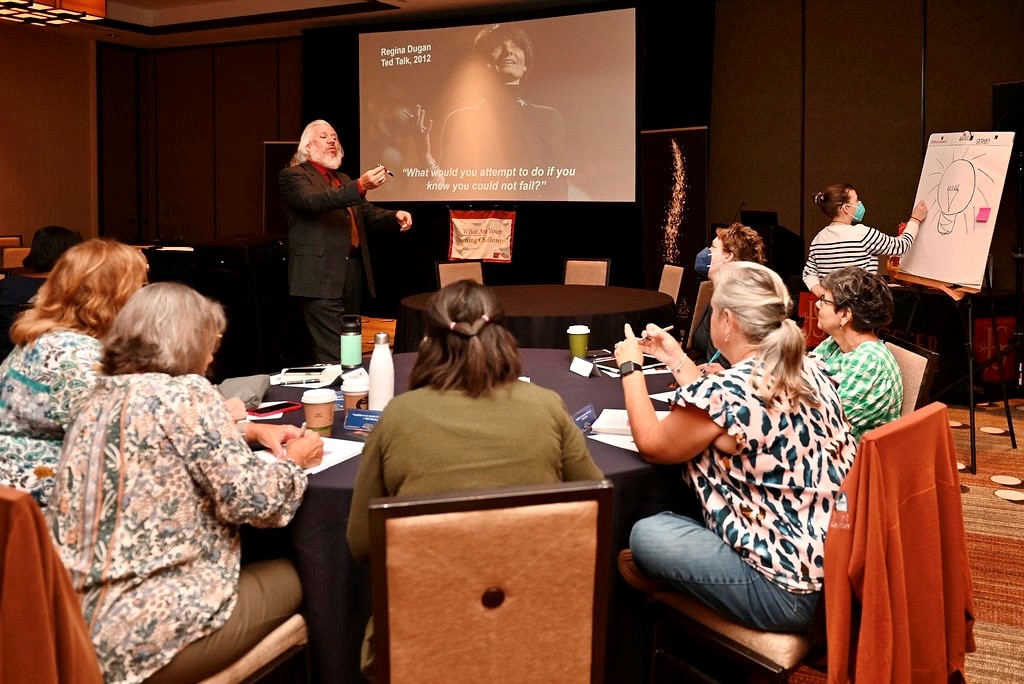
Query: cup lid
[(321, 395), (578, 329), (361, 384)]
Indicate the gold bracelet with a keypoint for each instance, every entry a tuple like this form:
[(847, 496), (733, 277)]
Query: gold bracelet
[(680, 364)]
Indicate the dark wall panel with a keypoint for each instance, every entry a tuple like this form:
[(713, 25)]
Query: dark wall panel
[(289, 90), (755, 109), (118, 124), (245, 81), (863, 115), (185, 152)]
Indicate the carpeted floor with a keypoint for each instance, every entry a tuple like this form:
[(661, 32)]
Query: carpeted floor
[(995, 544)]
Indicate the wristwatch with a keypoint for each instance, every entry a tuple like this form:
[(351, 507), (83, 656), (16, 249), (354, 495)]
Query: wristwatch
[(627, 367)]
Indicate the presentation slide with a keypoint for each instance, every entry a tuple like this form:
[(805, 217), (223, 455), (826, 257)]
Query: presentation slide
[(537, 110)]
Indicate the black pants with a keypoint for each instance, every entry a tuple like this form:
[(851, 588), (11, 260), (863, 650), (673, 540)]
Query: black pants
[(323, 316)]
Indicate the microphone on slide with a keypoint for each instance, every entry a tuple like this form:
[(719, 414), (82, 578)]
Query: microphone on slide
[(736, 216)]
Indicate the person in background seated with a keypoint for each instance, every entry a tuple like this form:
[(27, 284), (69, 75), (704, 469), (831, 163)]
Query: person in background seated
[(841, 243), (736, 242), (467, 421), (154, 481), (854, 305), (766, 449), (17, 290), (52, 366)]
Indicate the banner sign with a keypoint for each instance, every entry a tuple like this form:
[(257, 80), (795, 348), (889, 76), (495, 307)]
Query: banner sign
[(485, 235)]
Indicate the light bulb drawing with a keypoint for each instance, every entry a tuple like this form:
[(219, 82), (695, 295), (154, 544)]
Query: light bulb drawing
[(955, 192)]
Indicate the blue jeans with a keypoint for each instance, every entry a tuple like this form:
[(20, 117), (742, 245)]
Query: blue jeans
[(696, 561)]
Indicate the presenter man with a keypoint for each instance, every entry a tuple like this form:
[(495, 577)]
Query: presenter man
[(328, 219)]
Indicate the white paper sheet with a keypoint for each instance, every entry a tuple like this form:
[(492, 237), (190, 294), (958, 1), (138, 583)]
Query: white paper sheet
[(621, 441), (335, 451)]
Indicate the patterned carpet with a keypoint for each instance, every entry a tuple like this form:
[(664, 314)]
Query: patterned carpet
[(995, 544)]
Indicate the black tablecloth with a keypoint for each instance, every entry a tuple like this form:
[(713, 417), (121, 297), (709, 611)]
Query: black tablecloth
[(538, 315), (337, 589)]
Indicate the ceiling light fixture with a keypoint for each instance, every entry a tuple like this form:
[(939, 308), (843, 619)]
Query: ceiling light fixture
[(52, 12)]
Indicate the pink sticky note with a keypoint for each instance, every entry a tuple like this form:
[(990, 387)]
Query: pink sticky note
[(983, 214)]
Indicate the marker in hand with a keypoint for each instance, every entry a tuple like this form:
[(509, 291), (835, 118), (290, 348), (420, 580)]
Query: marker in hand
[(386, 170)]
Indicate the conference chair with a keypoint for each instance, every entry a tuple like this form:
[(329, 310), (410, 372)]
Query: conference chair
[(671, 281), (13, 258), (10, 241), (586, 271), (899, 605), (492, 585), (704, 293), (285, 642), (451, 271), (917, 367), (692, 642), (43, 636)]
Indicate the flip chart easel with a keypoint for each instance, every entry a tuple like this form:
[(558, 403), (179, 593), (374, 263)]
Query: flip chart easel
[(962, 297), (962, 179)]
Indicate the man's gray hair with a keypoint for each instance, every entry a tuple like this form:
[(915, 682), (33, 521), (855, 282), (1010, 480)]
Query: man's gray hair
[(307, 136)]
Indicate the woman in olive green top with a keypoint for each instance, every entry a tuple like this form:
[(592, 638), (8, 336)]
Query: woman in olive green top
[(467, 421)]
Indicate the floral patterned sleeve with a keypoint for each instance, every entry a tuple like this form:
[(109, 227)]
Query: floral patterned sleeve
[(74, 378), (243, 487)]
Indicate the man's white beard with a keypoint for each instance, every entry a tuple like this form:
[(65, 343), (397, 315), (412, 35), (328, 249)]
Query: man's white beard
[(331, 162)]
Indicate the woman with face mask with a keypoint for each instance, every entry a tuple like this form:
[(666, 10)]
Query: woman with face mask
[(735, 242), (848, 242)]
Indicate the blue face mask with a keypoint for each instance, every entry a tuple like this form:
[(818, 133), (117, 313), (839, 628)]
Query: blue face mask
[(703, 262), (858, 213)]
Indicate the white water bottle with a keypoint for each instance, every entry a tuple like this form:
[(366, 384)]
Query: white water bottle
[(382, 373)]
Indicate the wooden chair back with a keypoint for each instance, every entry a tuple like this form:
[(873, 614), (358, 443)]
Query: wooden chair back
[(917, 367), (492, 585), (671, 281), (451, 271), (586, 271)]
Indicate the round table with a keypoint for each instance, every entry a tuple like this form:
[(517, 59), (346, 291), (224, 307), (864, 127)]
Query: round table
[(538, 315), (339, 587)]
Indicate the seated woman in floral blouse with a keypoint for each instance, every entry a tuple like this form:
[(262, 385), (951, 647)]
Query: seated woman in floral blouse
[(53, 363), (154, 481), (766, 449)]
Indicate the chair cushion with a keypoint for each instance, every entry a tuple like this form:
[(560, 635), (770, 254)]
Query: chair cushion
[(787, 650)]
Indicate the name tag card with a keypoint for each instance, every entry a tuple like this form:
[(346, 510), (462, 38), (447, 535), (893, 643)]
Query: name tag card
[(584, 418), (581, 367), (358, 420)]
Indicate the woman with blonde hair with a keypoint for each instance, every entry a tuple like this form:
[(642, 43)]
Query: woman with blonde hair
[(57, 345), (766, 449), (154, 481)]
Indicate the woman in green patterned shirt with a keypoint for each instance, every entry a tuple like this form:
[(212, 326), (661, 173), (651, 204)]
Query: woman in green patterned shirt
[(855, 304)]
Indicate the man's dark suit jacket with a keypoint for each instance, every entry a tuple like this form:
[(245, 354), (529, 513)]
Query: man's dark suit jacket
[(319, 230)]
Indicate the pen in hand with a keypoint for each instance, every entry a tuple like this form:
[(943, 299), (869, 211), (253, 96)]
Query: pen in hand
[(386, 170), (714, 357)]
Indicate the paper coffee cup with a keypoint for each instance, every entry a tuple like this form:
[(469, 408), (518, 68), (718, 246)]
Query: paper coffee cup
[(318, 405), (579, 338), (356, 392)]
